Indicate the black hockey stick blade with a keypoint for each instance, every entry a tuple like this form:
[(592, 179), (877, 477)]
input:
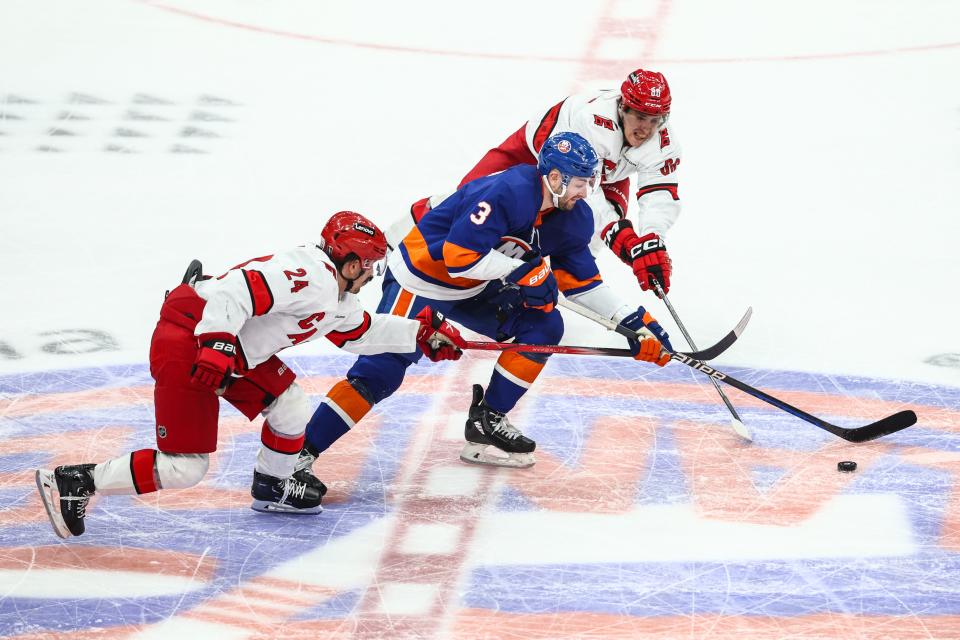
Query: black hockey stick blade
[(884, 427), (193, 272), (872, 431), (725, 342)]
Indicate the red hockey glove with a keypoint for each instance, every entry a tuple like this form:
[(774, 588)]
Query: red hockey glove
[(646, 255), (437, 338), (538, 286), (215, 360)]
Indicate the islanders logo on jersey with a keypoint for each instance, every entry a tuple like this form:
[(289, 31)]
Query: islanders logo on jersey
[(645, 515), (514, 247)]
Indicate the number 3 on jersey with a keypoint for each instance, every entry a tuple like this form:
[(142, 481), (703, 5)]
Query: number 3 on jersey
[(481, 215)]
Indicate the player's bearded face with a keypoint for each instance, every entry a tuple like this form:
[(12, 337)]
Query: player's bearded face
[(577, 189), (638, 127), (365, 276)]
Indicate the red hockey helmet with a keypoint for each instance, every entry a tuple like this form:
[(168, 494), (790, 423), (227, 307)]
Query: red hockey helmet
[(348, 234), (646, 92)]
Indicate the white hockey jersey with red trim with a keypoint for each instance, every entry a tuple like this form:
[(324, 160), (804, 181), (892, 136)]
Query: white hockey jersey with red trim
[(278, 301), (653, 165)]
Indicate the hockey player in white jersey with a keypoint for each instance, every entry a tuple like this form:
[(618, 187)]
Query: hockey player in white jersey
[(629, 132), (218, 337)]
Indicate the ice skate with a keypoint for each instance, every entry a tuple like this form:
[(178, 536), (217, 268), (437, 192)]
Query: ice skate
[(65, 492), (303, 471), (491, 439), (289, 495)]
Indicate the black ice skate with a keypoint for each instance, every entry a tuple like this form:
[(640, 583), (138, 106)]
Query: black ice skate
[(303, 471), (491, 439), (65, 492), (277, 495)]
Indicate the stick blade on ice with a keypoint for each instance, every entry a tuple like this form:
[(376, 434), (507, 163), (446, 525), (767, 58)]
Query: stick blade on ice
[(880, 428), (741, 429)]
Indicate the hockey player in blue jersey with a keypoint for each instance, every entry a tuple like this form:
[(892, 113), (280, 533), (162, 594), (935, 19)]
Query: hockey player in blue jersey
[(479, 258)]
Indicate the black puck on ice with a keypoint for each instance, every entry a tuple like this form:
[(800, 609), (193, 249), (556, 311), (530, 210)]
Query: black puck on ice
[(847, 466)]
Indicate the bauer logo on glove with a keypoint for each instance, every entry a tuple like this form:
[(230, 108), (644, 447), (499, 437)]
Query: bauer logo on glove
[(437, 338)]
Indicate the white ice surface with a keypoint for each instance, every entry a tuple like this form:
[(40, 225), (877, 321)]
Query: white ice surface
[(820, 144)]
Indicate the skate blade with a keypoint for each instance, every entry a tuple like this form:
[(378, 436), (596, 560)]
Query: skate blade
[(492, 456), (264, 506), (46, 485)]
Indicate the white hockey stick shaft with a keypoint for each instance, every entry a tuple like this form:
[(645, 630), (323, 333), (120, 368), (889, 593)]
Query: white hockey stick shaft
[(579, 309), (737, 421)]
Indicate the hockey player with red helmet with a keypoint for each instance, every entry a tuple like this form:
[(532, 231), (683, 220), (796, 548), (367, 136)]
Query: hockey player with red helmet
[(219, 337), (629, 132)]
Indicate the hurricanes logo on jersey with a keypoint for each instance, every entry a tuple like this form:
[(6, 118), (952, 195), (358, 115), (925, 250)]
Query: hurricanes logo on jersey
[(670, 166), (664, 138), (600, 121)]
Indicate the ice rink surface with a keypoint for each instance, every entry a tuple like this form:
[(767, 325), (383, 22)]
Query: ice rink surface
[(820, 186)]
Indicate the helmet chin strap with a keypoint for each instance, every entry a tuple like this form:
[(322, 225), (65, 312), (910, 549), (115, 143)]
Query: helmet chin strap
[(556, 196), (349, 281)]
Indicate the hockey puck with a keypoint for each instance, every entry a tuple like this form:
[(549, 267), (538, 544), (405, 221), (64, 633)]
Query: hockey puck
[(847, 466)]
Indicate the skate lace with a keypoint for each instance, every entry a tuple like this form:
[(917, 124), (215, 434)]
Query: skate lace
[(293, 488), (80, 503), (503, 427), (305, 461)]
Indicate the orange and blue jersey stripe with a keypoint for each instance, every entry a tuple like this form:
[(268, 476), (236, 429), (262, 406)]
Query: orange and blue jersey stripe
[(435, 270), (570, 285)]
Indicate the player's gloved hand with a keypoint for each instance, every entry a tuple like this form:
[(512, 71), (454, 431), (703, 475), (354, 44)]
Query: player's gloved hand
[(642, 318), (538, 287), (652, 343), (437, 338), (646, 255), (215, 360)]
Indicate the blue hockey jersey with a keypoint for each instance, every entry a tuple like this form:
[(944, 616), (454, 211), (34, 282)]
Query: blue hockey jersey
[(481, 232)]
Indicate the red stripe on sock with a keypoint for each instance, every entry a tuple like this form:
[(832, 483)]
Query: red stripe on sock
[(279, 442), (143, 468)]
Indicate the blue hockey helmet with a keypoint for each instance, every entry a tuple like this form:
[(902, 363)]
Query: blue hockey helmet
[(571, 154)]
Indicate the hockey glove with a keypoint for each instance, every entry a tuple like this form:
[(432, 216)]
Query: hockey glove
[(645, 347), (646, 255), (437, 338), (538, 287), (215, 360), (642, 318)]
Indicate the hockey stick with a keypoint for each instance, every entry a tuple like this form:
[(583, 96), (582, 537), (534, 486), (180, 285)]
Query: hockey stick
[(885, 426), (736, 422), (707, 354), (548, 348)]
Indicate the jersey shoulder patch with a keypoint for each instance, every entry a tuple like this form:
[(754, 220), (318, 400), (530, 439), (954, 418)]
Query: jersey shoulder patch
[(604, 122), (664, 138)]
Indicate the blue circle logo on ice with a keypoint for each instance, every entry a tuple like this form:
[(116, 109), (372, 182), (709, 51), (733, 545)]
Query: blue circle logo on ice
[(652, 514)]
